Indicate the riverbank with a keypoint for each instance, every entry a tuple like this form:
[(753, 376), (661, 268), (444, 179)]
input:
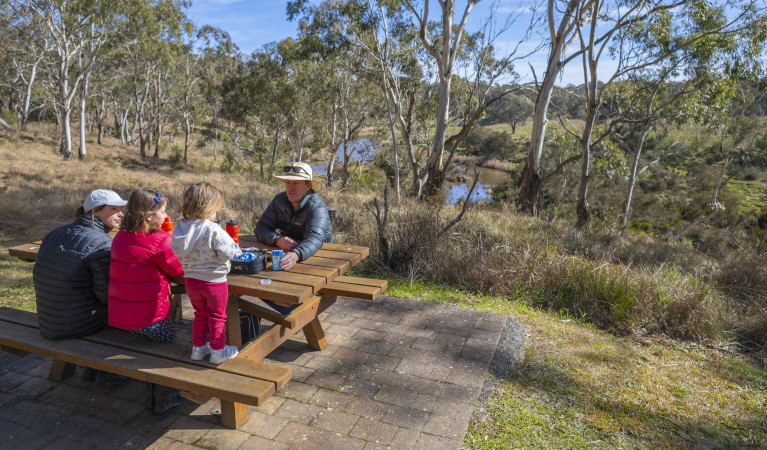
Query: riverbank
[(627, 387)]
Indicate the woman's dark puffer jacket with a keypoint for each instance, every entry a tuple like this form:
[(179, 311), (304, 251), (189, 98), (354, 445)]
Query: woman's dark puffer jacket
[(71, 277), (310, 225)]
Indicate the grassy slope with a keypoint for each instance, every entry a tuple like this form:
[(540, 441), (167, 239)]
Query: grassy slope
[(582, 387), (577, 386)]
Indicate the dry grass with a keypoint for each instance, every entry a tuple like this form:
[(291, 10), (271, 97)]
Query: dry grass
[(622, 283), (40, 190), (499, 252), (577, 386)]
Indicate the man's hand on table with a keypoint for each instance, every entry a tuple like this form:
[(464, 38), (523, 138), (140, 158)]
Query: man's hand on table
[(286, 243), (289, 260)]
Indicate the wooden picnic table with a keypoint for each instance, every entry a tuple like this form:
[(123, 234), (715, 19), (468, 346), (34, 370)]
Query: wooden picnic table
[(312, 285)]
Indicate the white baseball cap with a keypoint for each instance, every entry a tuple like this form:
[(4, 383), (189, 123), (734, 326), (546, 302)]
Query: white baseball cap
[(101, 197)]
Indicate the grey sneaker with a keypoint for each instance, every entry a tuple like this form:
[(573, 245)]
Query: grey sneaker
[(219, 356), (198, 353)]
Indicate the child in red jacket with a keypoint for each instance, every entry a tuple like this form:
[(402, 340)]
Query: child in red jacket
[(139, 280), (140, 271)]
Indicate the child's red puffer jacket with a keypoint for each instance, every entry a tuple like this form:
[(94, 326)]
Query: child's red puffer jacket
[(139, 278)]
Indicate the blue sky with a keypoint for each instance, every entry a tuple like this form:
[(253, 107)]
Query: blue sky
[(253, 23)]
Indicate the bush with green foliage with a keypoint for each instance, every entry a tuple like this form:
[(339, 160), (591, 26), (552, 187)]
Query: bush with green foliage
[(490, 144), (176, 154), (9, 116)]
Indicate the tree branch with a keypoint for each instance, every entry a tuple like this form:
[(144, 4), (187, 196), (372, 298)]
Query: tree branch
[(465, 204)]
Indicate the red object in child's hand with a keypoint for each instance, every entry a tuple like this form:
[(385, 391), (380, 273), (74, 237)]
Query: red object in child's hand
[(167, 225), (233, 229)]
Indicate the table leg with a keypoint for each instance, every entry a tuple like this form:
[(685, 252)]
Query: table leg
[(61, 370), (233, 335), (175, 307), (233, 414), (315, 336), (175, 302), (271, 339)]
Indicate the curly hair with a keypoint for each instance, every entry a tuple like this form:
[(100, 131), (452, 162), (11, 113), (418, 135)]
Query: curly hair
[(143, 202), (201, 200)]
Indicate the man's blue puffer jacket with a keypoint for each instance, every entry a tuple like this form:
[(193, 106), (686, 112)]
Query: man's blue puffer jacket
[(310, 225), (71, 277)]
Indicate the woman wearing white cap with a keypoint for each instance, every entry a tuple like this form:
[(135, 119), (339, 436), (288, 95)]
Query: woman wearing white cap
[(71, 273), (296, 220)]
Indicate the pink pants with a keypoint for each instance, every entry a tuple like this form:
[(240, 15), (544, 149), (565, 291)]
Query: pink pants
[(209, 302)]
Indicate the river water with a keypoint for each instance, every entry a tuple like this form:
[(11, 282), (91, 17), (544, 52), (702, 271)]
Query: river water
[(456, 191)]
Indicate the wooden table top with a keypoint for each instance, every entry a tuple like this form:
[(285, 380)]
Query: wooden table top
[(294, 286)]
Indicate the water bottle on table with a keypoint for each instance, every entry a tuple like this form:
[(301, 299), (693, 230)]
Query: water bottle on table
[(233, 229)]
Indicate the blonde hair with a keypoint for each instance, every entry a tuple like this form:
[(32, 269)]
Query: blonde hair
[(143, 202), (201, 200)]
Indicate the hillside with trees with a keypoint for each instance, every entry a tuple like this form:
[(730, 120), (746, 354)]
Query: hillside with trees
[(668, 144), (634, 201)]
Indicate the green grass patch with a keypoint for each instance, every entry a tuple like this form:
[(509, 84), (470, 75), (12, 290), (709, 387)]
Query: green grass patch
[(16, 288), (581, 387), (752, 193)]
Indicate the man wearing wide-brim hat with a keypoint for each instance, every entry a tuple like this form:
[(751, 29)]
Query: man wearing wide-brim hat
[(296, 220)]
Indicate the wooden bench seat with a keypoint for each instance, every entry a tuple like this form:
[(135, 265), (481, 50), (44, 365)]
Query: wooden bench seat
[(237, 382), (363, 288)]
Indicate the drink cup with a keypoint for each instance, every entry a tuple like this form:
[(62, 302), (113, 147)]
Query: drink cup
[(276, 258)]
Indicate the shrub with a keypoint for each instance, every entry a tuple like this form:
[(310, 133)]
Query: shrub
[(752, 174), (744, 276), (484, 253), (9, 116), (230, 164), (491, 144), (176, 154)]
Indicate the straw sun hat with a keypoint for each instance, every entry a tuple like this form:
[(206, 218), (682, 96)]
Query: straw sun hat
[(299, 171)]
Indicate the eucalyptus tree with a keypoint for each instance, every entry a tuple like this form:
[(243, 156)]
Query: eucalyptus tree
[(77, 30), (9, 78), (101, 99), (445, 48), (26, 51), (739, 138), (209, 52), (561, 18), (649, 100), (306, 82), (356, 99), (514, 110), (395, 34), (254, 97), (643, 35), (376, 30), (149, 47), (486, 79)]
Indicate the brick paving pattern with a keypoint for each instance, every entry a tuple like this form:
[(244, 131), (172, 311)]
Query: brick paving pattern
[(396, 374)]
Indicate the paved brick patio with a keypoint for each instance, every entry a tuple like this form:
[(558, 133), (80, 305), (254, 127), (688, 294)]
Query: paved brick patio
[(397, 374)]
